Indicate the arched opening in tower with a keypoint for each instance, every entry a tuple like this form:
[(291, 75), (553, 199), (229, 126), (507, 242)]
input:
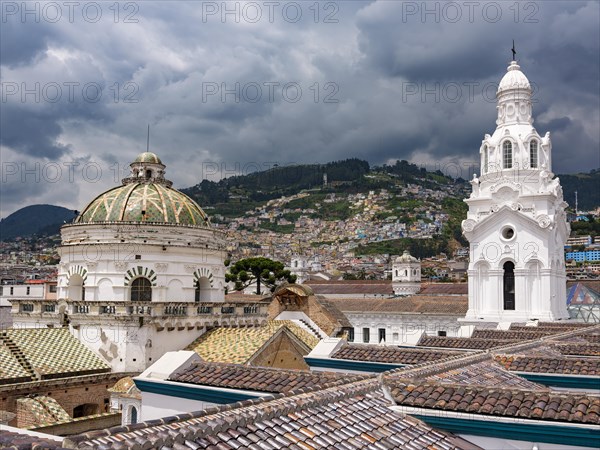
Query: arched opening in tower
[(509, 286)]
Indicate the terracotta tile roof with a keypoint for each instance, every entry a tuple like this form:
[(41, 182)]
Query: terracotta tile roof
[(578, 349), (507, 335), (351, 287), (591, 335), (333, 310), (238, 344), (262, 379), (484, 373), (460, 342), (565, 324), (236, 297), (51, 352), (10, 439), (495, 401), (572, 366), (541, 329), (592, 338), (445, 289), (540, 351), (356, 415), (384, 354), (416, 304), (555, 327)]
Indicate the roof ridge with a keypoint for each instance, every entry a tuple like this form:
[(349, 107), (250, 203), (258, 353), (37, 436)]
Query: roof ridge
[(500, 388), (426, 369), (335, 376)]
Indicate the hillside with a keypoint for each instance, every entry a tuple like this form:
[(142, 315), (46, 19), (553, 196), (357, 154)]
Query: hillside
[(232, 197), (587, 186), (235, 196), (35, 219)]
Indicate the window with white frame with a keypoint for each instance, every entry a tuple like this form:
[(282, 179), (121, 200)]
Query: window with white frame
[(507, 155), (533, 154)]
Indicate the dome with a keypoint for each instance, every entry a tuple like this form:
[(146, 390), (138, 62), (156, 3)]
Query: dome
[(406, 258), (144, 202), (514, 79), (147, 157)]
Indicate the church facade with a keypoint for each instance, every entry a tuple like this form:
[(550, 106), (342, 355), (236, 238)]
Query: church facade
[(516, 223)]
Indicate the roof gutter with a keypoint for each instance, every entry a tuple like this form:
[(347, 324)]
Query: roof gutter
[(203, 393), (552, 432)]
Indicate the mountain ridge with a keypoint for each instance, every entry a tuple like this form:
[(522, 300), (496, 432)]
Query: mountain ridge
[(233, 196), (35, 219)]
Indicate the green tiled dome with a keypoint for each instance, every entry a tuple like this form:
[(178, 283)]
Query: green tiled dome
[(147, 157), (144, 202)]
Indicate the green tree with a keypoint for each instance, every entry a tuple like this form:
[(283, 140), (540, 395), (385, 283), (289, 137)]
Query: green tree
[(260, 270)]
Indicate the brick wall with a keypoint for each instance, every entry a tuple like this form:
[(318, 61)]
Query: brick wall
[(68, 392), (68, 398), (25, 417), (83, 425)]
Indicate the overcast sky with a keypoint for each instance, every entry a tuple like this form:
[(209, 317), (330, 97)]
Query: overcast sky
[(232, 87)]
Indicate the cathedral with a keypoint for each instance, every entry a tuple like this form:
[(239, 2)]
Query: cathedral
[(142, 241), (516, 223), (141, 273)]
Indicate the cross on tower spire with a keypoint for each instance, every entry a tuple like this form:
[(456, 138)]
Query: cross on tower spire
[(514, 52)]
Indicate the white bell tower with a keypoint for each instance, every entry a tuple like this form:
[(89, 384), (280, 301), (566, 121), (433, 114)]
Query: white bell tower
[(516, 224), (406, 274)]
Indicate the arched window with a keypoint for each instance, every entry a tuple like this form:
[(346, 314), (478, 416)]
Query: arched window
[(133, 415), (76, 287), (509, 286), (202, 289), (148, 174), (405, 272), (507, 155), (486, 159), (197, 291), (533, 154), (141, 290)]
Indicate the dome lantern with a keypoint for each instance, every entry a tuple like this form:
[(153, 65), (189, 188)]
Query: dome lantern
[(147, 167)]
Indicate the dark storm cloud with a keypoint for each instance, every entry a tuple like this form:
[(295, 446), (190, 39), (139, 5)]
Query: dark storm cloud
[(41, 131), (424, 52), (21, 42), (357, 74)]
